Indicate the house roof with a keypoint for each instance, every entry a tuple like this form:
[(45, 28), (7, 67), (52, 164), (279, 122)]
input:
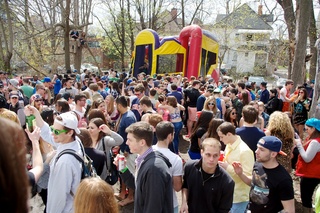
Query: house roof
[(243, 18)]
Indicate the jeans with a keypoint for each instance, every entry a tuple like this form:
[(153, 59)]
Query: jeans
[(239, 207), (177, 129)]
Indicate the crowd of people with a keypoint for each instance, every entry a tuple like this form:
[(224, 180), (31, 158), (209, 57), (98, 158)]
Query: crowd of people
[(245, 140)]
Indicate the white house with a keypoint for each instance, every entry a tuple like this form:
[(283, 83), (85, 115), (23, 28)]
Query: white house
[(244, 36)]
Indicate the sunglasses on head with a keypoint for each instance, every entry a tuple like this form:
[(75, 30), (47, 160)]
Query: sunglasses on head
[(57, 131)]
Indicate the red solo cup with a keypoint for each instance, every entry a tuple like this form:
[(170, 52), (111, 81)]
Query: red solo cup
[(221, 156)]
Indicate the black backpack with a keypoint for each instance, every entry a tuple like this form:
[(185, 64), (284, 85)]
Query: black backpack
[(112, 171), (87, 168)]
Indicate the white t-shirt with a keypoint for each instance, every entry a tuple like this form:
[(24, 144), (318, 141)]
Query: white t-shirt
[(283, 91), (175, 170)]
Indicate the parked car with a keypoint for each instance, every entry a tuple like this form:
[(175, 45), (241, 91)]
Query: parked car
[(257, 79), (280, 82)]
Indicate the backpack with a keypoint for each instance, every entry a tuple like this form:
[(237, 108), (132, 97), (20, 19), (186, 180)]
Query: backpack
[(112, 171), (87, 168)]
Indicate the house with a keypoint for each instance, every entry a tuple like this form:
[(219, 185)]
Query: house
[(244, 36)]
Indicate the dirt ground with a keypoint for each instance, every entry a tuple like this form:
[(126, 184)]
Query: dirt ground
[(37, 205)]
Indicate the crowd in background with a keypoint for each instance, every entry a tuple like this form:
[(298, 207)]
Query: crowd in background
[(229, 125)]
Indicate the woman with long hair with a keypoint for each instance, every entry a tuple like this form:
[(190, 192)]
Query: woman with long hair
[(212, 131), (280, 126), (95, 195), (175, 117), (300, 111), (308, 167), (97, 156), (37, 101), (197, 132), (111, 110), (103, 139), (245, 98), (231, 116), (211, 105), (14, 184), (114, 90)]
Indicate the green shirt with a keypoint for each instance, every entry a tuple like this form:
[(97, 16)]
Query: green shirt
[(27, 90)]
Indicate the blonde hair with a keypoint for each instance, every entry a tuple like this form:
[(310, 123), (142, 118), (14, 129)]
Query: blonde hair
[(281, 127), (95, 195), (210, 142), (110, 105), (206, 104)]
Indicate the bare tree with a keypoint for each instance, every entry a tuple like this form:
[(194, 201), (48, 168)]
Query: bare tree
[(298, 65), (6, 36), (290, 19), (313, 51)]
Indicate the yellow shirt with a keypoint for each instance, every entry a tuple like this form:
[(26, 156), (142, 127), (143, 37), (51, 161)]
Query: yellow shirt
[(240, 152)]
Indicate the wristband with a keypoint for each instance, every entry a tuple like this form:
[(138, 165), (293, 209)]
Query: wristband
[(124, 170)]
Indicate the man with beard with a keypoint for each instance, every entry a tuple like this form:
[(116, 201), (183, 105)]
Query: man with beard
[(271, 185)]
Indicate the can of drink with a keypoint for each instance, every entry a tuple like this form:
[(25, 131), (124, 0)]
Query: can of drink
[(121, 163)]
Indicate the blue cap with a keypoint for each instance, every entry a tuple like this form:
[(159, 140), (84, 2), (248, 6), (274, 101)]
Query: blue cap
[(314, 122), (46, 80), (272, 143), (129, 81)]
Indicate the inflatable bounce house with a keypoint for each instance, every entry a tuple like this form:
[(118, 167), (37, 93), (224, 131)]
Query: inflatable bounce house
[(193, 53)]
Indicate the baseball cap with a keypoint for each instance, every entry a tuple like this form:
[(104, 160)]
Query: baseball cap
[(314, 122), (69, 120), (35, 97), (75, 70), (1, 84), (46, 80), (216, 90), (13, 94), (14, 83), (272, 143)]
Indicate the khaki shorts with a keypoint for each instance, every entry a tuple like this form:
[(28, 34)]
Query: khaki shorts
[(192, 113)]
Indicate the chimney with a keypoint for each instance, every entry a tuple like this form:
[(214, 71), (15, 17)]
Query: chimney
[(260, 10), (174, 13)]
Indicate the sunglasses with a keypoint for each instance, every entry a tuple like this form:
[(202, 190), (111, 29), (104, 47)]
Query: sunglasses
[(57, 131), (233, 113), (212, 104), (14, 97), (38, 100)]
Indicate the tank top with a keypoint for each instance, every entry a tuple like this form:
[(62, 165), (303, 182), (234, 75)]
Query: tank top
[(176, 114)]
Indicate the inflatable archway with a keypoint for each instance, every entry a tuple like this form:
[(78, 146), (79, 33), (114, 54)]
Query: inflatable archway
[(196, 52)]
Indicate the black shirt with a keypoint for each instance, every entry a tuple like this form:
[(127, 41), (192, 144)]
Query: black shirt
[(269, 188)]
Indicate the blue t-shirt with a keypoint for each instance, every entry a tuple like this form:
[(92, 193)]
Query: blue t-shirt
[(176, 94), (250, 135), (127, 119), (200, 102), (57, 86)]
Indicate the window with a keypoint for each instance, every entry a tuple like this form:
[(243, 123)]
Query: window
[(249, 37)]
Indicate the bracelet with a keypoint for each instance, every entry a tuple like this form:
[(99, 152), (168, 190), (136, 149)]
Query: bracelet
[(124, 170)]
